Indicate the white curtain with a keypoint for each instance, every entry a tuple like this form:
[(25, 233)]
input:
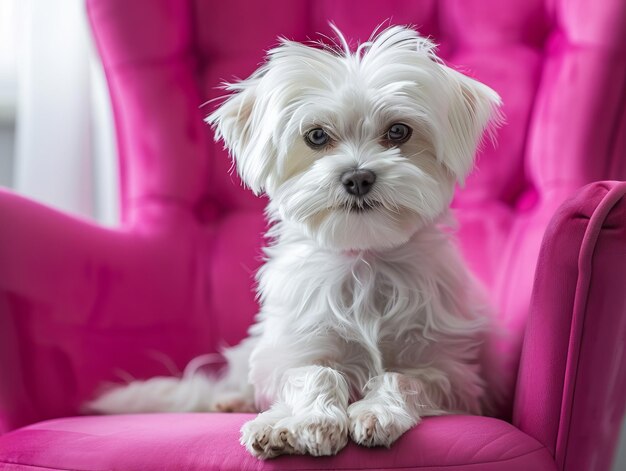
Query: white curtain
[(64, 151), (8, 88)]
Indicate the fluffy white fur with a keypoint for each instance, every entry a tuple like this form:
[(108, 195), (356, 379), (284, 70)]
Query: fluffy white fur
[(369, 320)]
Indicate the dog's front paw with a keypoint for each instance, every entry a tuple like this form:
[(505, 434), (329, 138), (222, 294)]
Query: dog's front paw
[(256, 435), (268, 436), (373, 425), (318, 436)]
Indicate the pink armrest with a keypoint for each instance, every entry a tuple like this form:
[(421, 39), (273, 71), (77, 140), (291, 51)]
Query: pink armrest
[(572, 376), (78, 300)]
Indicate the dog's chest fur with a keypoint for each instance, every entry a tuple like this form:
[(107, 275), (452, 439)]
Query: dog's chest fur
[(363, 312)]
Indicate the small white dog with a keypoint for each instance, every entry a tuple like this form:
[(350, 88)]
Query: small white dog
[(369, 320)]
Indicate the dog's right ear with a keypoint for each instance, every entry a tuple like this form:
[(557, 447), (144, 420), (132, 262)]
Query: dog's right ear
[(240, 121)]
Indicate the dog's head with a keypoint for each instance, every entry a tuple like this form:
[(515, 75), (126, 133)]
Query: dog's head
[(358, 149)]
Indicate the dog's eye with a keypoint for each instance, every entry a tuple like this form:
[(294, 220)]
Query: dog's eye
[(316, 138), (398, 133)]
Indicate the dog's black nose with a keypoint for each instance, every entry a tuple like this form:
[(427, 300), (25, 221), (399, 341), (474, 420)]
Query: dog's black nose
[(358, 182)]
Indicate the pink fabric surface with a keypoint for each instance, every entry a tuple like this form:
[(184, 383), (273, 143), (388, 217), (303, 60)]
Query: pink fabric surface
[(574, 354), (210, 442), (81, 305)]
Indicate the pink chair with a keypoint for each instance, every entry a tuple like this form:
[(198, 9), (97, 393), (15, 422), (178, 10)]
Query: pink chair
[(79, 304)]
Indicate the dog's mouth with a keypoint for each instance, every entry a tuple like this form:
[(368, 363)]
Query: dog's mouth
[(360, 206)]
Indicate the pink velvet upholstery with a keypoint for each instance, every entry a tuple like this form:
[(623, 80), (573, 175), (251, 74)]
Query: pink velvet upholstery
[(211, 441), (80, 304)]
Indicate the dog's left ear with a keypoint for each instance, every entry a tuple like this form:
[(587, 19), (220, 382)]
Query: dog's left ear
[(474, 109), (241, 122)]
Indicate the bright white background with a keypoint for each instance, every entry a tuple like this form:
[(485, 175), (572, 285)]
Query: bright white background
[(57, 141)]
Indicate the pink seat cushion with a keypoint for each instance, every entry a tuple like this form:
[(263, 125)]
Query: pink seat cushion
[(211, 441)]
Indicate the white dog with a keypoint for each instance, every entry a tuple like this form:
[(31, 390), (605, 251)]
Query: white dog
[(369, 320)]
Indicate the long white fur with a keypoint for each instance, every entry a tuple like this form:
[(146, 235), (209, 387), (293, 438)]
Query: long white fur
[(369, 320)]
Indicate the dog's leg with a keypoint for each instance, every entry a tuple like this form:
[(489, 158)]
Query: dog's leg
[(309, 416), (394, 403)]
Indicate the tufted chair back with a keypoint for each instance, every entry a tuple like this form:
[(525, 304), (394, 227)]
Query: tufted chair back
[(550, 61), (176, 280)]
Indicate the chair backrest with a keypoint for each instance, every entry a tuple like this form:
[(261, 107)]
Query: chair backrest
[(552, 61)]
